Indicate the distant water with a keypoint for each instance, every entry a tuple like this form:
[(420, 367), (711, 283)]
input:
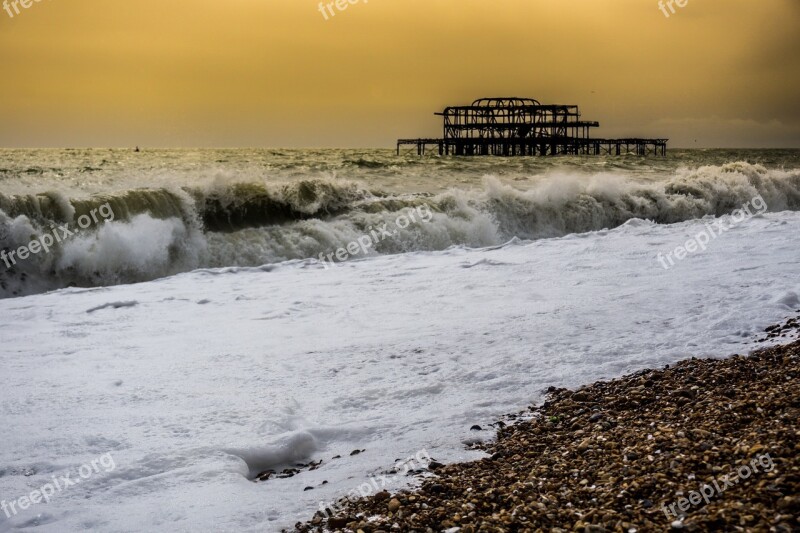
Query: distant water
[(179, 210)]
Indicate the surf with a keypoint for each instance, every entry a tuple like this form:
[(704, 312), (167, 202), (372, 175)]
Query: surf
[(158, 232)]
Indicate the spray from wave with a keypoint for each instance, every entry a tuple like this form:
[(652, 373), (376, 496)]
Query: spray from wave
[(161, 232)]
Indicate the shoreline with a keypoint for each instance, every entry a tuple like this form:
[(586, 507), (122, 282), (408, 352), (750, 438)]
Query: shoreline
[(653, 450)]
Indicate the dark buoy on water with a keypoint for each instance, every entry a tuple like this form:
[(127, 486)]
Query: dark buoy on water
[(137, 149)]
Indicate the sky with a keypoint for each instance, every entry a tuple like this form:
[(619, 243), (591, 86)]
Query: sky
[(281, 73)]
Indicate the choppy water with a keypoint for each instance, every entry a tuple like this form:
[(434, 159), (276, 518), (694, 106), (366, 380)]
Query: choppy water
[(178, 210)]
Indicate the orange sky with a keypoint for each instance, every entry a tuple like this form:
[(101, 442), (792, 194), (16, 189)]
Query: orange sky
[(276, 73)]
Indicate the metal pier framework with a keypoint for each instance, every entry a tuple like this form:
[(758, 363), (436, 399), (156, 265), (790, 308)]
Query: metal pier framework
[(524, 127)]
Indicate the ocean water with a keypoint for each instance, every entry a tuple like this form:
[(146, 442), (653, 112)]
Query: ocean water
[(178, 210), (197, 340)]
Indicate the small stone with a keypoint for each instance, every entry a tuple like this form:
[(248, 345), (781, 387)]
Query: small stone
[(580, 396), (338, 522)]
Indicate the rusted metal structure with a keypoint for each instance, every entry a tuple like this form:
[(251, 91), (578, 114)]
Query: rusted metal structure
[(524, 127)]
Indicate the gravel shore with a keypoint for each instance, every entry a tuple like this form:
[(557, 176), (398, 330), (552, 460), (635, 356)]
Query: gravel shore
[(704, 445)]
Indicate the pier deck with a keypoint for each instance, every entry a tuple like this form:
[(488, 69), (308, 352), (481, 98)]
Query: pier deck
[(533, 147)]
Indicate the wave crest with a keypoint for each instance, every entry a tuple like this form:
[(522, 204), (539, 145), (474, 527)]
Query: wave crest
[(161, 232)]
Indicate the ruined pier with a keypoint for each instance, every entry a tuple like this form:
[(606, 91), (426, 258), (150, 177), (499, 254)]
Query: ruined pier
[(524, 127)]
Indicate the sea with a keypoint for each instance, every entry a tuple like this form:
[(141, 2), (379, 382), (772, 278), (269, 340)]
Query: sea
[(201, 318)]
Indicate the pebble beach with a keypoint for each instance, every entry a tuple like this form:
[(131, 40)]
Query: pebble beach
[(703, 445)]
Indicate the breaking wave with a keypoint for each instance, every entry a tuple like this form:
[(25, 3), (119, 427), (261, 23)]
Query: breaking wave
[(161, 232)]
